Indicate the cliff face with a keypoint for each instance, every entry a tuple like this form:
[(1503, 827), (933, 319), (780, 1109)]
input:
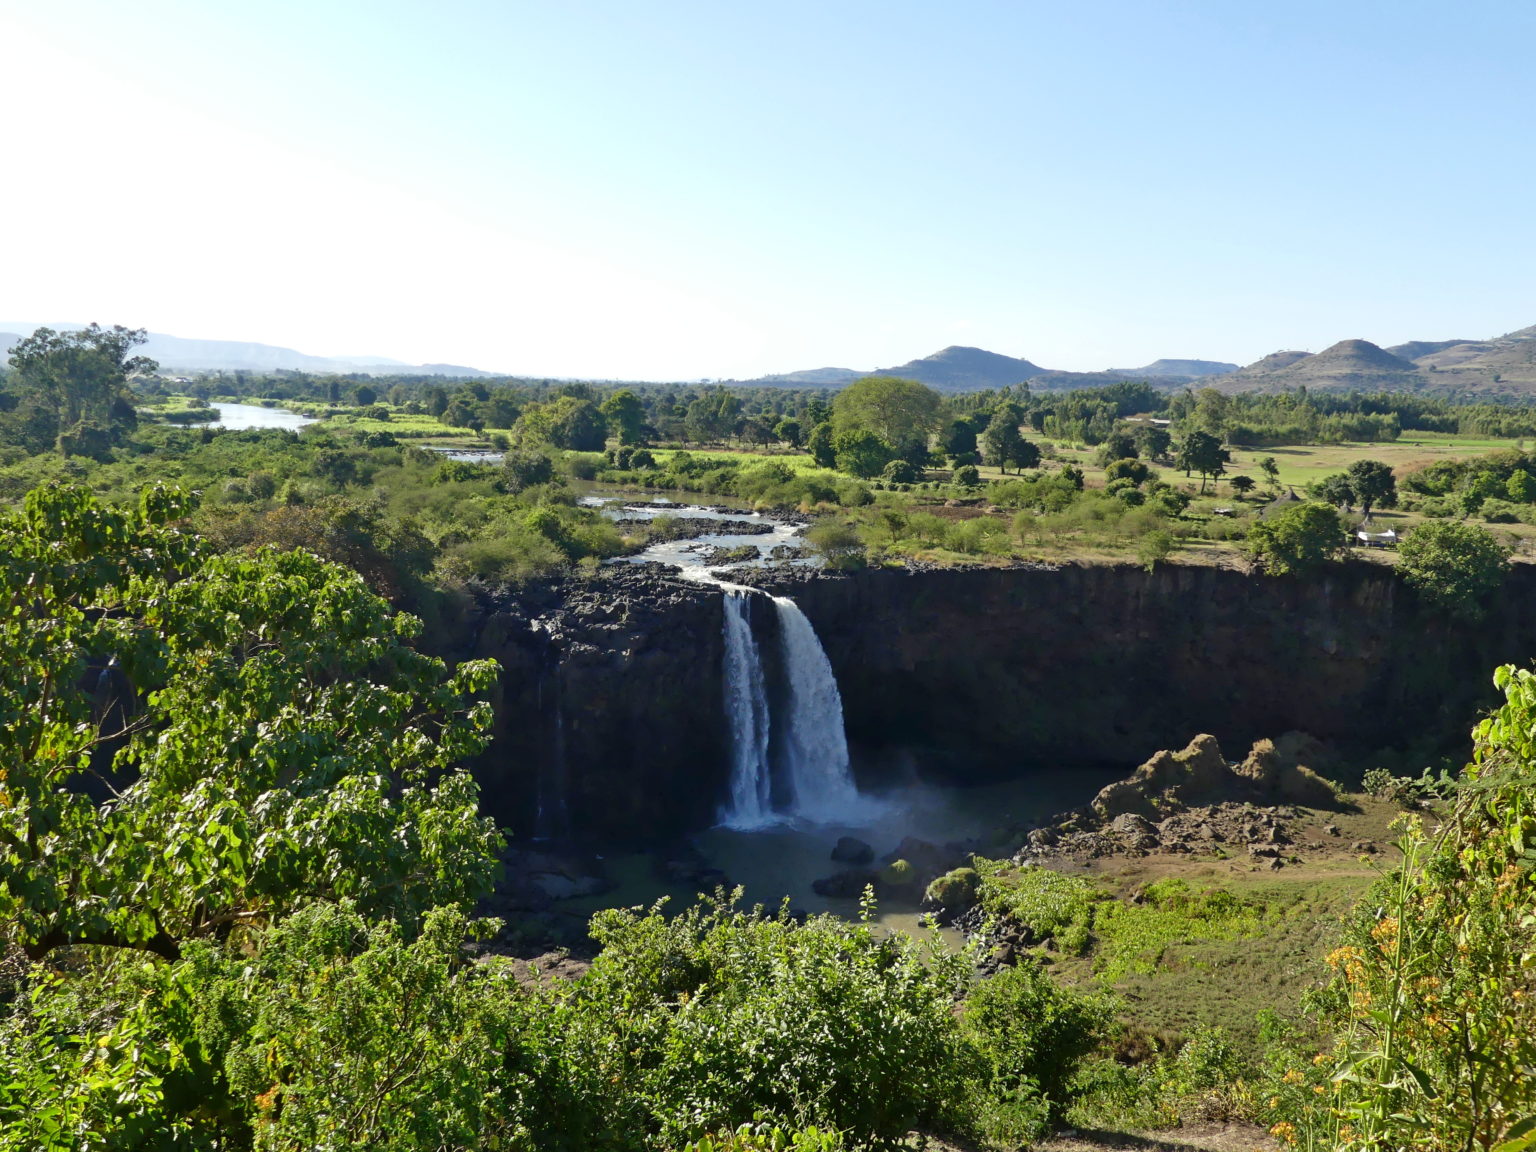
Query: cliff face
[(609, 713), (1111, 663), (612, 696)]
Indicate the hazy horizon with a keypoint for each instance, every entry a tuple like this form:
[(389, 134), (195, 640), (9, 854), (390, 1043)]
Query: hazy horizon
[(690, 191)]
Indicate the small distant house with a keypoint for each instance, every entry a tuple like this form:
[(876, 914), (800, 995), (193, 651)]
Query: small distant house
[(1280, 503), (1387, 539)]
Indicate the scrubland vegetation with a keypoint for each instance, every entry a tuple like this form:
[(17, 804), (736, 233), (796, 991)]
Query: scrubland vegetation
[(241, 855)]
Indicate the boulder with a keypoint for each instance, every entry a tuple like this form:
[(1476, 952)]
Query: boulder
[(898, 878), (851, 850), (848, 884), (1199, 774), (952, 894), (1300, 785), (1261, 768)]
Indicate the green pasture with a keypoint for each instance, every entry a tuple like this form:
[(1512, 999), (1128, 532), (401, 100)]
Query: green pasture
[(1302, 464)]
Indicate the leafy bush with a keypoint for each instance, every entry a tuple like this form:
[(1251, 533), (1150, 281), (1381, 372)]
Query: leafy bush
[(1454, 566), (717, 1017), (1431, 999), (837, 542), (1299, 538), (1032, 1034)]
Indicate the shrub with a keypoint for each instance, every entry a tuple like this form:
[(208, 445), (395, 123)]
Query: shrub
[(1454, 566), (717, 1017), (1299, 538), (837, 542), (1153, 548), (967, 476), (1033, 1035), (1431, 995)]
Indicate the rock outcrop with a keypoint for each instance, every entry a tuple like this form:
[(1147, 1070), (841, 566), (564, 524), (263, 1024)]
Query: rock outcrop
[(1199, 775)]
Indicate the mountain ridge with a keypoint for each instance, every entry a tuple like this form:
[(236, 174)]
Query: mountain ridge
[(183, 354)]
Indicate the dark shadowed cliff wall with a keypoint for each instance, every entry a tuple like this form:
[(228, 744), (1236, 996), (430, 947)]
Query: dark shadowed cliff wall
[(1000, 670), (1111, 663)]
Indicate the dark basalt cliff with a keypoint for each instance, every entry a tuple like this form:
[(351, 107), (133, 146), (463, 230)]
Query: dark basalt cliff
[(609, 706), (1110, 663), (990, 671)]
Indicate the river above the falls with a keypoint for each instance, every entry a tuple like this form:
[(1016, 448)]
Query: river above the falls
[(690, 556)]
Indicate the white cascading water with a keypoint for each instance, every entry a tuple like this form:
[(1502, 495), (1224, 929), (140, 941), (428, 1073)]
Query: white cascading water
[(815, 750), (746, 710), (815, 747)]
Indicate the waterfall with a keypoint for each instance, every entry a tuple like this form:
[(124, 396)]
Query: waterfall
[(813, 748), (746, 709)]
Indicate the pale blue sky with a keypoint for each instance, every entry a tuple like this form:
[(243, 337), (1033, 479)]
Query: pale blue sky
[(678, 190)]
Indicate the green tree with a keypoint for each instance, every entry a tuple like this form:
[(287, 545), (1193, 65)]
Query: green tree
[(1152, 441), (1299, 538), (960, 439), (1126, 469), (900, 412), (1002, 445), (820, 446), (861, 453), (1242, 485), (1454, 565), (258, 734), (567, 422), (789, 431), (1271, 470), (79, 380), (364, 395), (1202, 452), (1373, 484), (1521, 487), (1335, 489), (625, 415), (1119, 446)]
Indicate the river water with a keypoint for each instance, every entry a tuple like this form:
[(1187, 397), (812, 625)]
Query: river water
[(238, 417)]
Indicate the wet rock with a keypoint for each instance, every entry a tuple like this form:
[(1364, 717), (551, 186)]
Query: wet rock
[(852, 850), (848, 884), (953, 894)]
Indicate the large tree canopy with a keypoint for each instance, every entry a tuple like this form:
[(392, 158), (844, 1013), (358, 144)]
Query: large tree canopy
[(190, 741), (76, 381), (900, 412)]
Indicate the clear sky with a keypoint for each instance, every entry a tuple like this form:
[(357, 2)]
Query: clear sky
[(675, 190)]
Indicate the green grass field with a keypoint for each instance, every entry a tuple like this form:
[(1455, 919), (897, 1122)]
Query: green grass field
[(1303, 464)]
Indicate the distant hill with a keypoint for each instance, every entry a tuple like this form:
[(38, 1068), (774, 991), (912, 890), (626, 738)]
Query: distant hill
[(1415, 349), (1347, 365), (1185, 369), (177, 354), (961, 369), (1504, 367), (813, 378), (1275, 361)]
